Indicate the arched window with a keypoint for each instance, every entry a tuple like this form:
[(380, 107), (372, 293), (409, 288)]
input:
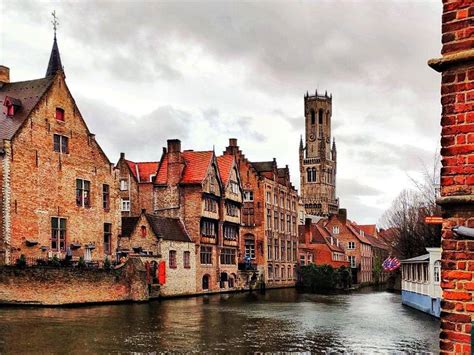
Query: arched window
[(310, 175), (313, 117), (437, 271), (143, 229), (314, 174), (205, 282), (321, 113)]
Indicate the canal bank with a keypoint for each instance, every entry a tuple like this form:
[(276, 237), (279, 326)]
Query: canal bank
[(279, 320)]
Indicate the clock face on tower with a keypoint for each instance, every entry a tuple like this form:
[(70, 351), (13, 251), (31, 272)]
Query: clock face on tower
[(312, 137)]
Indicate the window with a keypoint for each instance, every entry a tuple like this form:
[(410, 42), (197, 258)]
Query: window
[(231, 232), (269, 218), (302, 260), (234, 186), (269, 249), (123, 185), (289, 275), (250, 248), (437, 271), (313, 117), (295, 249), (352, 261), (208, 229), (59, 114), (58, 234), (288, 223), (282, 222), (282, 201), (206, 255), (275, 199), (275, 220), (125, 205), (232, 210), (172, 259), (335, 230), (283, 276), (228, 256), (321, 113), (107, 238), (282, 254), (210, 205), (83, 189), (143, 231), (212, 184), (288, 251), (106, 196), (277, 272), (248, 216), (61, 144), (248, 196), (311, 174), (269, 197), (351, 245), (187, 259), (270, 271)]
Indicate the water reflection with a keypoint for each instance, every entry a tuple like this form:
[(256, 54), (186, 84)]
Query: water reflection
[(282, 320)]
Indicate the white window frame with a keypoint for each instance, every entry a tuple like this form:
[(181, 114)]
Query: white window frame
[(123, 205), (351, 245), (123, 185)]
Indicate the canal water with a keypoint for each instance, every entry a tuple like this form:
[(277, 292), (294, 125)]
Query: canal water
[(365, 321)]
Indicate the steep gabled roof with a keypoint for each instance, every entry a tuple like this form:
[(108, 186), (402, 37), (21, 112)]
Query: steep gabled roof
[(54, 64), (196, 165), (163, 227), (356, 231), (142, 171), (262, 166), (377, 242), (29, 93), (225, 164), (370, 229)]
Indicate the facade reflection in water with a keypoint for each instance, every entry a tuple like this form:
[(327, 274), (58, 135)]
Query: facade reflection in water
[(280, 320)]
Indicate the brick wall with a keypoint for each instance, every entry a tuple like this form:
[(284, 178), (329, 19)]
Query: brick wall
[(43, 182), (59, 286), (457, 172)]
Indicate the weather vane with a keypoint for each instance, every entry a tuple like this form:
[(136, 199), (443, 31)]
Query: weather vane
[(55, 22)]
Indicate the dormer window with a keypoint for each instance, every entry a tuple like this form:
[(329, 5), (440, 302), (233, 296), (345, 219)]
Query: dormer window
[(59, 114), (11, 106)]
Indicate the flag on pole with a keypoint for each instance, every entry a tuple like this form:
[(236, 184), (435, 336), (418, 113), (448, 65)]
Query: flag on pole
[(391, 264)]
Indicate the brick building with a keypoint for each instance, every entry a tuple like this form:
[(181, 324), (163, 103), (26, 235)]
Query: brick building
[(190, 186), (58, 188), (457, 173), (318, 246), (357, 247), (269, 221), (318, 160), (157, 239), (135, 185)]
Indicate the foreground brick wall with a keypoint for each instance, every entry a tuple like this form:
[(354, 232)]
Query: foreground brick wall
[(59, 286), (457, 173)]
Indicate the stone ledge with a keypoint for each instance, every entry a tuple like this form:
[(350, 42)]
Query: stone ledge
[(455, 200), (440, 64)]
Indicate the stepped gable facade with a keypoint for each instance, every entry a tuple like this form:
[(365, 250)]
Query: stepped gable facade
[(269, 222), (58, 188)]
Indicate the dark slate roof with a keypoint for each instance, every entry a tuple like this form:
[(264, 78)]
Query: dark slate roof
[(262, 166), (29, 93), (163, 227), (128, 225), (168, 228), (54, 60)]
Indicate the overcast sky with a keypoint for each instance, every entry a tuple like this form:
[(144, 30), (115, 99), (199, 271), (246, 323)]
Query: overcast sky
[(143, 72)]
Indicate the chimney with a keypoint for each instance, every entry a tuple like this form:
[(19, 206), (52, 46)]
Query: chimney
[(122, 155), (307, 230), (342, 215), (233, 148), (4, 75), (175, 162)]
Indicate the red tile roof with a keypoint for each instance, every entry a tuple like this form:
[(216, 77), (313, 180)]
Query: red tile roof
[(356, 231), (196, 165), (370, 229), (225, 163), (143, 170)]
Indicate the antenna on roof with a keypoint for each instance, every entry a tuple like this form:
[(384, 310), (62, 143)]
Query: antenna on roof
[(55, 22)]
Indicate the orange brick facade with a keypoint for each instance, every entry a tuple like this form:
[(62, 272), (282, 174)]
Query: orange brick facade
[(40, 184), (457, 173), (269, 223)]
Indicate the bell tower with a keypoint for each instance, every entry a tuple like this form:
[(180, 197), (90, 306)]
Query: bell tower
[(318, 157)]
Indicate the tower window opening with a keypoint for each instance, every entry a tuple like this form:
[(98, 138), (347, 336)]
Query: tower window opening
[(321, 116), (311, 172), (313, 117)]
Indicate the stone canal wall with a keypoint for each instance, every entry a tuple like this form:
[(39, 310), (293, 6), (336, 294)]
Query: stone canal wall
[(61, 286)]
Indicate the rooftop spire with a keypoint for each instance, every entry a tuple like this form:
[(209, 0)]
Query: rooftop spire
[(54, 59)]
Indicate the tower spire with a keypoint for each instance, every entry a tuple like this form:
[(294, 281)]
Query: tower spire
[(54, 64)]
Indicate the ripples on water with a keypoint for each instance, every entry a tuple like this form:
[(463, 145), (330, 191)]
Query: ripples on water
[(280, 320)]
